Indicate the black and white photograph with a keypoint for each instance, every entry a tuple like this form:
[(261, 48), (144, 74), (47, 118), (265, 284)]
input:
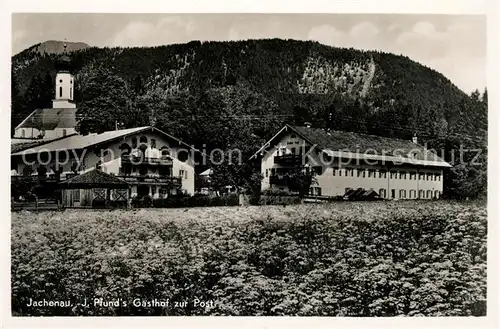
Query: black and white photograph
[(328, 164)]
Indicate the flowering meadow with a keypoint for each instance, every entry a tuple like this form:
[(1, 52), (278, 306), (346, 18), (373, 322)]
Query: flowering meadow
[(412, 258)]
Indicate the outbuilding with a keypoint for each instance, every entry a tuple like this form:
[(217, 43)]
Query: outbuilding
[(95, 189)]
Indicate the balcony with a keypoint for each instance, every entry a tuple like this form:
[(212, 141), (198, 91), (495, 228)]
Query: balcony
[(289, 159), (151, 180), (137, 160), (278, 180)]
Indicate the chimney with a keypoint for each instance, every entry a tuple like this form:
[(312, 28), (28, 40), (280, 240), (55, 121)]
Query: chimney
[(414, 139)]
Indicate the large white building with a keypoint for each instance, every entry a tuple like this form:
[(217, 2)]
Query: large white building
[(153, 162), (343, 161), (55, 122)]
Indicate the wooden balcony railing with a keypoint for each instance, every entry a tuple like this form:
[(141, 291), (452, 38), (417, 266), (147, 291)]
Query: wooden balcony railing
[(289, 159), (137, 160), (151, 179)]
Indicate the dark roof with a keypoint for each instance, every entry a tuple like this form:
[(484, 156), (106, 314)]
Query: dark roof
[(336, 140), (80, 142), (93, 178), (49, 119), (25, 145), (344, 141)]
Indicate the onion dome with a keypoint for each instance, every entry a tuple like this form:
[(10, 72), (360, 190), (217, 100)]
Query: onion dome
[(63, 63)]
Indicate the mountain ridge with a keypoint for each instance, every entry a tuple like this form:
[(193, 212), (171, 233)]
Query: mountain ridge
[(55, 47)]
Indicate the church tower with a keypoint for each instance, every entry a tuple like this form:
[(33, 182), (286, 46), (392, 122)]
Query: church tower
[(64, 83)]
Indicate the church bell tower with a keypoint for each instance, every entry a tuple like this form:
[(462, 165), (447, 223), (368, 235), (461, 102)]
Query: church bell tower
[(64, 83)]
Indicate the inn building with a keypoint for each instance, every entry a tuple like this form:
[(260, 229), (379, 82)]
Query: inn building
[(344, 161), (47, 145), (151, 161)]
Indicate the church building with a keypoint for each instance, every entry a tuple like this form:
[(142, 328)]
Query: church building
[(55, 122)]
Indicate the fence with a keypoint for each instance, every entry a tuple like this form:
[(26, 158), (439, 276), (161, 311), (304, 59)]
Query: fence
[(38, 205)]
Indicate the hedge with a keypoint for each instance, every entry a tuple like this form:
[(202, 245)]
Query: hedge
[(182, 201)]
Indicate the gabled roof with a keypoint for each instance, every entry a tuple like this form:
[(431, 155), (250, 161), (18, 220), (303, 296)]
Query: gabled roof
[(49, 119), (23, 145), (77, 142), (93, 178), (345, 144)]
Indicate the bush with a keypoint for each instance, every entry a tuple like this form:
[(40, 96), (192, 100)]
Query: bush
[(182, 201), (279, 200), (343, 259), (274, 192)]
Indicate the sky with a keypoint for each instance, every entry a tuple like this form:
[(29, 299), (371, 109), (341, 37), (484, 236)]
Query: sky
[(454, 45)]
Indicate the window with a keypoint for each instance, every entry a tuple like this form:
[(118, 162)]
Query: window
[(181, 173), (421, 194), (334, 171), (402, 194), (429, 176), (429, 194), (60, 91), (153, 143), (360, 172), (293, 150), (394, 175), (402, 175), (267, 172), (436, 194), (382, 193), (340, 172), (293, 136), (164, 151), (134, 142), (64, 132), (382, 174), (318, 191), (153, 190), (371, 173), (437, 177), (349, 172), (393, 193), (143, 140), (23, 133), (70, 92), (422, 177), (413, 175), (76, 195), (182, 155), (318, 170)]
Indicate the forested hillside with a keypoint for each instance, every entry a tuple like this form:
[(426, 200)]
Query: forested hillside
[(237, 94)]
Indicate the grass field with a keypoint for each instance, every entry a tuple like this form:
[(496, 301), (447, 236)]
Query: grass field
[(341, 259)]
